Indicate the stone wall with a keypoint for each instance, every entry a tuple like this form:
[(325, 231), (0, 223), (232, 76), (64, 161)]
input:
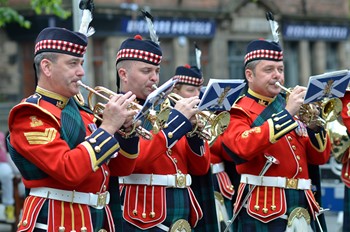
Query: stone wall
[(9, 78)]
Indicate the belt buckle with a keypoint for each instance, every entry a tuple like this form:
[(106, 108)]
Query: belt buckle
[(291, 183), (180, 180), (101, 199), (180, 225)]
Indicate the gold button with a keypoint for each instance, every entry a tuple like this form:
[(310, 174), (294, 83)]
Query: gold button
[(106, 173), (231, 187), (278, 127), (134, 212), (175, 160), (265, 210), (170, 151), (165, 125), (97, 149), (256, 207), (143, 215), (152, 214), (298, 157), (61, 229), (346, 174), (300, 169), (273, 207), (170, 135), (92, 140), (104, 187), (25, 222), (83, 229), (289, 138), (294, 147)]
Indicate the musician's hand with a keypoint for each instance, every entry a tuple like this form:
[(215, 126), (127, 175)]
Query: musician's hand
[(295, 99), (313, 123), (116, 112), (130, 125), (187, 106)]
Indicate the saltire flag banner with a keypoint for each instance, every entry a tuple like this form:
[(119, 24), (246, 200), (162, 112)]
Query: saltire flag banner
[(220, 94), (327, 85), (156, 98)]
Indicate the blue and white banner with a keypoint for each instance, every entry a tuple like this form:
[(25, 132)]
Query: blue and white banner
[(327, 85), (220, 94)]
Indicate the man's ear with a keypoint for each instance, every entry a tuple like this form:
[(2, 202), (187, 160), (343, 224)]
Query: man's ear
[(46, 67), (249, 74), (122, 74)]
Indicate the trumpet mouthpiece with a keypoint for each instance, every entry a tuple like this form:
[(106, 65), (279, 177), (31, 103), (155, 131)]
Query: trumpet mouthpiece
[(154, 87), (80, 83)]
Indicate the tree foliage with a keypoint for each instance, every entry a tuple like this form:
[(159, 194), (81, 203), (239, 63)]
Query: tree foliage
[(10, 15)]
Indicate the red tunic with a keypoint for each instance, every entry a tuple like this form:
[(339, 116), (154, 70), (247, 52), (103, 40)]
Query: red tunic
[(281, 137), (167, 153), (217, 156), (345, 114), (35, 134)]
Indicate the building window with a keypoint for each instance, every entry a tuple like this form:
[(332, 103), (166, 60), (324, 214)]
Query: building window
[(236, 55), (332, 59), (167, 68), (291, 64)]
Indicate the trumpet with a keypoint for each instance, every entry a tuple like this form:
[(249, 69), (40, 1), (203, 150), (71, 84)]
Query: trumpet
[(213, 125), (98, 108), (329, 110)]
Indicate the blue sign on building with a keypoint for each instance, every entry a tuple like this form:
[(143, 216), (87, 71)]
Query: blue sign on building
[(298, 31), (171, 27)]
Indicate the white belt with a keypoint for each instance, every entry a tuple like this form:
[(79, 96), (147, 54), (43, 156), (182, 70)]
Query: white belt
[(174, 181), (98, 201), (216, 168), (276, 181)]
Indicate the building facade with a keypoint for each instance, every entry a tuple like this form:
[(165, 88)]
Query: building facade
[(313, 33)]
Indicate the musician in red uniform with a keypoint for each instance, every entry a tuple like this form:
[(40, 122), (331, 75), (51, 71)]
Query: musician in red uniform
[(57, 147), (264, 124), (158, 195), (345, 114)]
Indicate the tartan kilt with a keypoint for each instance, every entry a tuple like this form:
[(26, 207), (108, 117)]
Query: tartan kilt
[(203, 188), (114, 203), (346, 221), (295, 198), (178, 207)]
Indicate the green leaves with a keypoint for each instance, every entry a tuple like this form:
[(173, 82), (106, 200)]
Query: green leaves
[(49, 7), (8, 15)]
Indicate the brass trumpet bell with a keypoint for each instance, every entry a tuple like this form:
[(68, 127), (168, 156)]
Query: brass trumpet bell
[(339, 139), (212, 125), (104, 94), (331, 109), (320, 112)]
